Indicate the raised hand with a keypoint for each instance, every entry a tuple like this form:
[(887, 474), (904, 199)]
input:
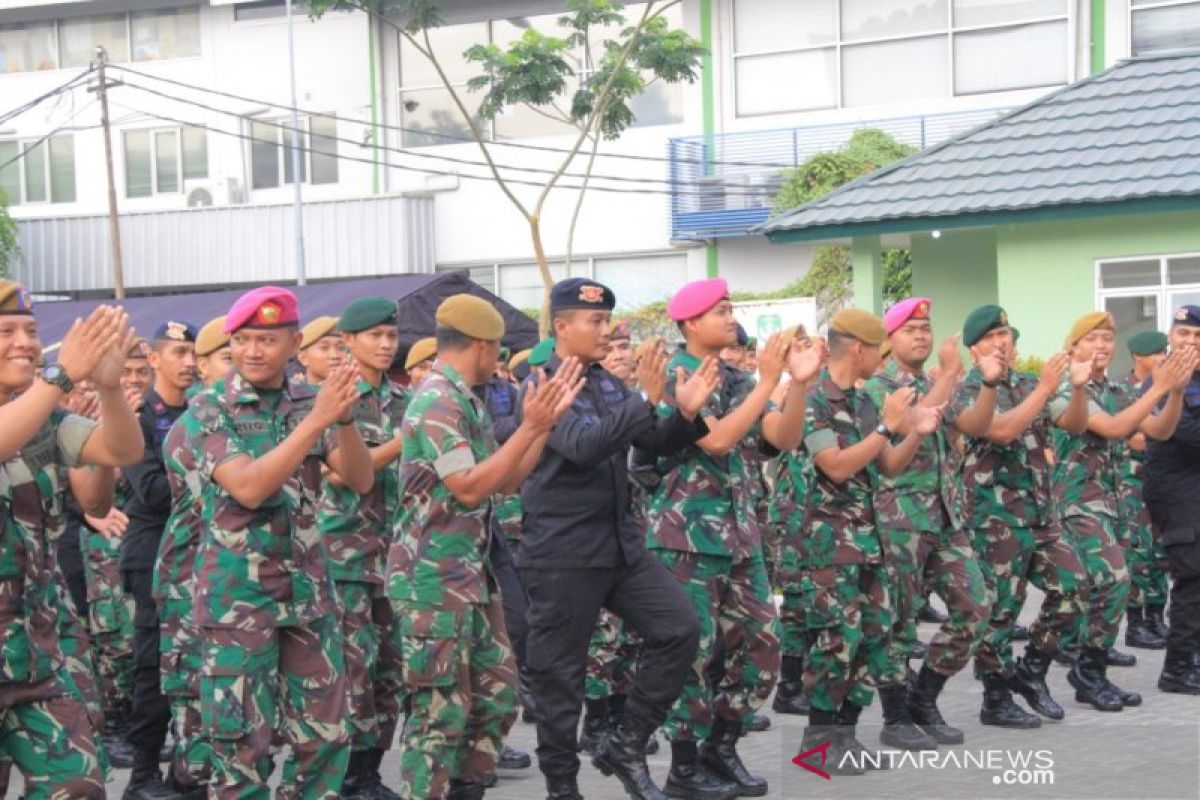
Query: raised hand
[(652, 375), (547, 400), (337, 396), (83, 401), (1081, 371), (992, 366), (950, 356), (134, 398), (1053, 370), (691, 393), (924, 420), (806, 359), (112, 525), (106, 373), (1185, 364), (897, 407), (773, 359), (87, 341)]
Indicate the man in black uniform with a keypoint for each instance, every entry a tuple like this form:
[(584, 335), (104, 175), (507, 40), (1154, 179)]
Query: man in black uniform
[(173, 357), (1172, 477), (581, 551)]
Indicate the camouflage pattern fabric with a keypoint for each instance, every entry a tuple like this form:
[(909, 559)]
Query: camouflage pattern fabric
[(375, 687), (738, 623), (80, 666), (458, 663), (612, 657), (793, 472), (849, 617), (110, 617), (1144, 555), (45, 731)]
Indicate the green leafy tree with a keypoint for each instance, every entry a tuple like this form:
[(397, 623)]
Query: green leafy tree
[(10, 247), (620, 58)]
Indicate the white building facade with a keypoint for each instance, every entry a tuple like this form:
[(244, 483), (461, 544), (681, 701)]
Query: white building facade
[(203, 175)]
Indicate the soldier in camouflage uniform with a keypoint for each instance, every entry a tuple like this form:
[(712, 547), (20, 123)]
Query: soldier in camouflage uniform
[(321, 350), (271, 645), (45, 727), (458, 665), (842, 580), (1087, 467), (704, 527), (110, 611), (924, 541), (357, 531), (1011, 507), (1144, 554), (174, 580)]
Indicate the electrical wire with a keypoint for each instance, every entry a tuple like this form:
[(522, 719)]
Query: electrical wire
[(64, 126), (27, 106)]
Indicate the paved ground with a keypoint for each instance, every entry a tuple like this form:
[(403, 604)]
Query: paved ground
[(1149, 752)]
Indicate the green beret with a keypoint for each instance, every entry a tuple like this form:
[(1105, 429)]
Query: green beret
[(980, 321), (1148, 343), (471, 316), (367, 312), (858, 324), (540, 354)]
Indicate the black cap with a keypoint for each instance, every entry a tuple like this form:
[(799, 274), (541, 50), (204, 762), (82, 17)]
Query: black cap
[(175, 331), (581, 293)]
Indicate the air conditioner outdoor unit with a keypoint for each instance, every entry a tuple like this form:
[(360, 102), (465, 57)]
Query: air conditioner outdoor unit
[(214, 192)]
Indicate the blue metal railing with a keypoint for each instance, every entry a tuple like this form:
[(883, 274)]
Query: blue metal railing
[(725, 184)]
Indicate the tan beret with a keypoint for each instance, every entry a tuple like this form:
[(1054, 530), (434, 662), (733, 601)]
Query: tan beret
[(14, 299), (139, 349), (317, 330), (1089, 322), (858, 324), (422, 350), (212, 337), (518, 358), (471, 316)]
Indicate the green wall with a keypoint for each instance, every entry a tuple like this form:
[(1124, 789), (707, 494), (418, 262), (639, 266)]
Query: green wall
[(1046, 271), (957, 271)]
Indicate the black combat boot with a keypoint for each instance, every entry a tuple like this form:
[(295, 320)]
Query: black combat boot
[(622, 752), (998, 706), (1154, 620), (690, 778), (1139, 632), (759, 723), (563, 789), (1180, 673), (1066, 654), (512, 758), (146, 782), (719, 753), (596, 723), (1115, 658), (899, 731), (372, 780), (847, 723), (354, 785), (922, 706), (789, 692), (465, 790), (1091, 686), (824, 742), (1029, 681)]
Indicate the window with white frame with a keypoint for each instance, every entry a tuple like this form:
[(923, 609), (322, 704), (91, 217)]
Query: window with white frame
[(1142, 294), (428, 112), (40, 171), (138, 36), (800, 56), (159, 161), (1159, 25), (271, 151)]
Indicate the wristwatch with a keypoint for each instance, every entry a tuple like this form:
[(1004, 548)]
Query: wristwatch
[(884, 431), (55, 375)]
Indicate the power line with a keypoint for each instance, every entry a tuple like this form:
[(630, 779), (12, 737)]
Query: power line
[(406, 168), (456, 137), (429, 156), (65, 126), (21, 109)]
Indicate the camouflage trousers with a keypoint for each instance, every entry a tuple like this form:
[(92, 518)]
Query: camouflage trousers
[(80, 664), (254, 682), (110, 618), (849, 620), (1103, 559), (1011, 558), (739, 622), (179, 673), (1147, 563), (47, 733), (945, 562), (793, 622), (461, 679), (373, 663), (612, 658)]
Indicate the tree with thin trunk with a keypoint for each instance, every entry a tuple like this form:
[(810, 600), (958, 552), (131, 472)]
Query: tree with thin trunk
[(615, 60)]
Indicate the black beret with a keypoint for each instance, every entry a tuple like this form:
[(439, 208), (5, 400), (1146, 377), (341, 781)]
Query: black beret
[(581, 293)]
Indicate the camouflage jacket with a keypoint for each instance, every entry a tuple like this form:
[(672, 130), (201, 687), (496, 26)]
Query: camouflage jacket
[(33, 484), (1007, 485), (267, 566), (1087, 467), (709, 504), (922, 497), (839, 520), (357, 529), (502, 400), (1133, 507), (175, 567), (438, 558)]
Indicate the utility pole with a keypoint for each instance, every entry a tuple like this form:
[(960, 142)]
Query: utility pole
[(114, 225), (297, 202)]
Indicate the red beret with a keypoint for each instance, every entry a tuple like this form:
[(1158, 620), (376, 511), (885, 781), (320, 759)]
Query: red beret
[(264, 307), (696, 298), (902, 312)]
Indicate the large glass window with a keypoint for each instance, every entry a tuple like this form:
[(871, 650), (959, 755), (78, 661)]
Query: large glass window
[(157, 161), (1159, 25), (1143, 293), (72, 42), (27, 48), (168, 33), (44, 172), (271, 151), (797, 56), (79, 38)]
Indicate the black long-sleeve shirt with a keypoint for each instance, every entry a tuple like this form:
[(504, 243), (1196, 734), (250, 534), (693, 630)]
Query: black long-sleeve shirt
[(149, 502), (576, 500), (1171, 479)]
